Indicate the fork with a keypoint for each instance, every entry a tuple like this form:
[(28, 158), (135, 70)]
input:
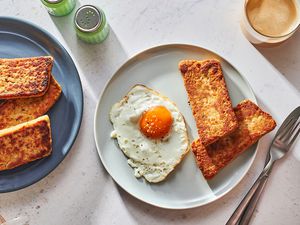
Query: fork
[(281, 144)]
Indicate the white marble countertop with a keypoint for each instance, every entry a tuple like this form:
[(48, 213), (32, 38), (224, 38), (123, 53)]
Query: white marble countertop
[(80, 191)]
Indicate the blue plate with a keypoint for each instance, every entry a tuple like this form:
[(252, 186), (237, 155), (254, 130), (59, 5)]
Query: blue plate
[(23, 39)]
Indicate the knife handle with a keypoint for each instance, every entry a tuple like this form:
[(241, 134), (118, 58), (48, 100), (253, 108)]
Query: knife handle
[(237, 214), (246, 217)]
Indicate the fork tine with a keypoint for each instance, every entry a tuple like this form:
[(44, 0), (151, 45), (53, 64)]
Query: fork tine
[(294, 136), (290, 133), (295, 127), (284, 125), (295, 114), (286, 129)]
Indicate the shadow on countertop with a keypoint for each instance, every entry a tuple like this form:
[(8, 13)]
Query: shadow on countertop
[(286, 58), (98, 62)]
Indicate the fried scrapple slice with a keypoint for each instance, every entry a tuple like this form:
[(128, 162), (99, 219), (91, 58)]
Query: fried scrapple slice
[(204, 162), (208, 98), (16, 111), (25, 142), (253, 124), (25, 77)]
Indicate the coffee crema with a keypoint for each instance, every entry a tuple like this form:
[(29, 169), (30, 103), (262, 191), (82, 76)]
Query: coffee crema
[(273, 17)]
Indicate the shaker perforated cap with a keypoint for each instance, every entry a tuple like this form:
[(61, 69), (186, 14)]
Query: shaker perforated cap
[(53, 1), (88, 18)]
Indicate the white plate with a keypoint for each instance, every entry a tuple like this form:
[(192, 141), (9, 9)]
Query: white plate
[(157, 68)]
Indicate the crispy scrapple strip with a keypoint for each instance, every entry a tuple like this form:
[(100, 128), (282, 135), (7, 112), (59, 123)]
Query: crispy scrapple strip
[(204, 162), (16, 111), (25, 77), (25, 143), (253, 124), (208, 98)]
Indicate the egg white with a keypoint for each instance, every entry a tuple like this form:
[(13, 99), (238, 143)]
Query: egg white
[(153, 159)]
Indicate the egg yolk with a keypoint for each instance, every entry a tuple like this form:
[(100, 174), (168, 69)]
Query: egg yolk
[(156, 122)]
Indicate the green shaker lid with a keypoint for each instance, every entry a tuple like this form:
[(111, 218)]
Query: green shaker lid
[(53, 1), (88, 18)]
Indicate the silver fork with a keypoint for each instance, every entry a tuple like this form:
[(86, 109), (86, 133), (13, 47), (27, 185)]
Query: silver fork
[(281, 144)]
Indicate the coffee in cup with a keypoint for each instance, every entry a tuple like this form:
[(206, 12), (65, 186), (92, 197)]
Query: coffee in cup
[(270, 21)]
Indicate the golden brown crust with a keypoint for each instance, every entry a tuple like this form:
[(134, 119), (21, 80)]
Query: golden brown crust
[(25, 77), (25, 143), (253, 124), (208, 98), (203, 160), (16, 111)]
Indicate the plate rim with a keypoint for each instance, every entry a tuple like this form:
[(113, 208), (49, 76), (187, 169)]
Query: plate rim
[(132, 59), (52, 39)]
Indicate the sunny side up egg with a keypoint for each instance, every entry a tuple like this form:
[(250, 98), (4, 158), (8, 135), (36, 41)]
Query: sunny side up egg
[(151, 132)]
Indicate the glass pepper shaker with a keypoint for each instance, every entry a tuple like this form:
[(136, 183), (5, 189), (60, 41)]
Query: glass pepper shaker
[(91, 24), (59, 7)]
